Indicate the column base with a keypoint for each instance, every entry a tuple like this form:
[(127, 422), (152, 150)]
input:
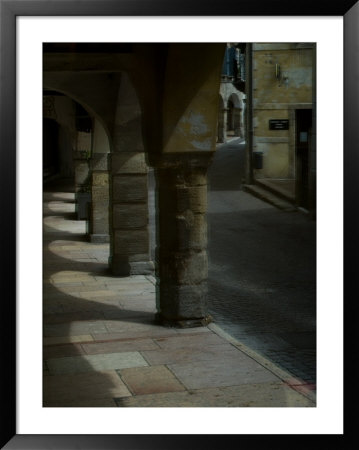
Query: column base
[(127, 268), (183, 323), (100, 238)]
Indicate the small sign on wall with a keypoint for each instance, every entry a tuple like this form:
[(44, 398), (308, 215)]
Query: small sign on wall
[(279, 124)]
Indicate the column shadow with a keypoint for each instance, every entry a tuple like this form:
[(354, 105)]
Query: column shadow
[(74, 327)]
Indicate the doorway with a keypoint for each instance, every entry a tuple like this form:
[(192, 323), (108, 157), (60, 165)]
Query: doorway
[(302, 145), (50, 148)]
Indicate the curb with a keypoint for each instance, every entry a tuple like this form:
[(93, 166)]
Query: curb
[(298, 385), (268, 197)]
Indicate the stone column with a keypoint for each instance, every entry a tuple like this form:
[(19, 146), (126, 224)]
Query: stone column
[(222, 121), (130, 253), (224, 127), (100, 197), (82, 173), (237, 121), (81, 157), (181, 254)]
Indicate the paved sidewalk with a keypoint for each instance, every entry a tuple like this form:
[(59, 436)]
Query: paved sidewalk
[(103, 348)]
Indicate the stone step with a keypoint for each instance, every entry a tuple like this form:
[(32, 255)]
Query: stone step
[(276, 189), (269, 197)]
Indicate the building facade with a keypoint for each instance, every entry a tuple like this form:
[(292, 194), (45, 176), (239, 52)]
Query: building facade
[(283, 116), (231, 112)]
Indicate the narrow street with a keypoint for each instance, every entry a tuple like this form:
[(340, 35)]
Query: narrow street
[(262, 269)]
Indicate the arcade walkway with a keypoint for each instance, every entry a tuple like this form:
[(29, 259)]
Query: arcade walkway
[(101, 346)]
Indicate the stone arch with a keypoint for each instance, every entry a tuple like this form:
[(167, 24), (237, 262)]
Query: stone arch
[(83, 102), (234, 106), (113, 100), (130, 243), (180, 112), (234, 98), (64, 110), (90, 145)]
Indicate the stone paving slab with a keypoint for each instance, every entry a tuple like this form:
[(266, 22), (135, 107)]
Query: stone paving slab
[(249, 395), (70, 279), (199, 340), (129, 301), (88, 389), (125, 282), (50, 319), (225, 370), (192, 331), (127, 314), (106, 300), (94, 363), (83, 403), (85, 287), (60, 246), (133, 334), (307, 389), (55, 340), (57, 256), (121, 326), (52, 308), (138, 305), (60, 351), (136, 292), (157, 357), (122, 281), (53, 228), (119, 346), (150, 380), (125, 295), (65, 284), (75, 328), (76, 304), (98, 293), (80, 253)]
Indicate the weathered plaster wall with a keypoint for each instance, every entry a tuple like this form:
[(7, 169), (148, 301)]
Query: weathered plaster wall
[(277, 99), (191, 98)]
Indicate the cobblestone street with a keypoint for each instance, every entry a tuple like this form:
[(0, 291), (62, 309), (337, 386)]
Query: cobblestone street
[(262, 269)]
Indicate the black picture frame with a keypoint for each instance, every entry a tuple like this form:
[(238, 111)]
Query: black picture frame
[(9, 10)]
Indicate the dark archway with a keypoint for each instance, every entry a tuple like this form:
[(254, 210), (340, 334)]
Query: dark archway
[(50, 148)]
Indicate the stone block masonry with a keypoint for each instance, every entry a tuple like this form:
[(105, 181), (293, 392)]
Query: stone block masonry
[(182, 263), (99, 222), (130, 250)]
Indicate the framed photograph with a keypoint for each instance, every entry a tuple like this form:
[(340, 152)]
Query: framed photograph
[(24, 27)]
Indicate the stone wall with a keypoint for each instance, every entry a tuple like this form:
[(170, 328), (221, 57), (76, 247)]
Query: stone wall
[(277, 97)]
